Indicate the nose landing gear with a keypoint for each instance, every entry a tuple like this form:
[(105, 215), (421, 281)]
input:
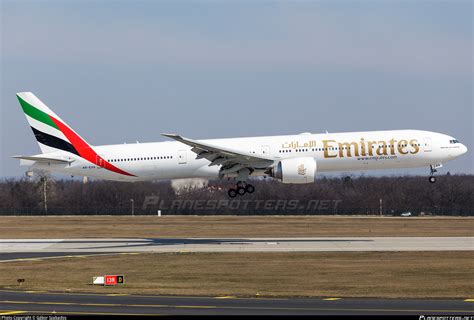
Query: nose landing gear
[(241, 189), (432, 178)]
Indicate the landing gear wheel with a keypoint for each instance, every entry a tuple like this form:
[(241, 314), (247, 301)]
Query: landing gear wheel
[(249, 188), (232, 193), (241, 190), (432, 179)]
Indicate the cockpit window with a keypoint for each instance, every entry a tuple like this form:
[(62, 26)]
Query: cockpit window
[(453, 141)]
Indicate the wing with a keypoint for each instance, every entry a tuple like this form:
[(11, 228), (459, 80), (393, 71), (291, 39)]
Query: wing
[(231, 160)]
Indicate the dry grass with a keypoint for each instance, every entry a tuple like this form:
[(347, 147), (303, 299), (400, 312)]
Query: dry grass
[(349, 274), (230, 226)]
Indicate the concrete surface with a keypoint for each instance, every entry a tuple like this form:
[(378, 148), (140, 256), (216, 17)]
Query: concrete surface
[(20, 303), (86, 245)]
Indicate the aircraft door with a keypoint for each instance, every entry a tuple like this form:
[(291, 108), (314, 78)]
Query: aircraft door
[(427, 144), (266, 151), (99, 162), (182, 156)]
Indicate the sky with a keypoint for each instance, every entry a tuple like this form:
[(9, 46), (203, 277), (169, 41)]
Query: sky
[(126, 71)]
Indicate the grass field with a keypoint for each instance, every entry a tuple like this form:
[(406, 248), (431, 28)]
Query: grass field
[(327, 274), (230, 226)]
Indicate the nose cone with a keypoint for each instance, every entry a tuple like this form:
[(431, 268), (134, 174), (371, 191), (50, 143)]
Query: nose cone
[(463, 149)]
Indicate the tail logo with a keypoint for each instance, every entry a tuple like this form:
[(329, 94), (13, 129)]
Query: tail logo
[(52, 132)]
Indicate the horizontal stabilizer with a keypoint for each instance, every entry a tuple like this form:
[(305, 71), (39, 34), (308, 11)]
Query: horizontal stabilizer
[(44, 159)]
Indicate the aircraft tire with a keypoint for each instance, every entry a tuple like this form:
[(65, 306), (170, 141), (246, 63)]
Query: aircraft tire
[(250, 188), (232, 193), (241, 191)]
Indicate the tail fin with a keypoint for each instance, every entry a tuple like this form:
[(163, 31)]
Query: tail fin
[(51, 132)]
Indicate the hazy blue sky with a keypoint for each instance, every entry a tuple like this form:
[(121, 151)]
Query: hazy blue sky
[(125, 70)]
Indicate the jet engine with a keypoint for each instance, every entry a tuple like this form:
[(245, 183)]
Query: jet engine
[(295, 170)]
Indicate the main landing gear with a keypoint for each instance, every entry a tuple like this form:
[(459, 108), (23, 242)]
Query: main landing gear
[(432, 178), (240, 189)]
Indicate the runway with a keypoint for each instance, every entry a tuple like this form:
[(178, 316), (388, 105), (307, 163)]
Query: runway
[(18, 303), (18, 248), (21, 302)]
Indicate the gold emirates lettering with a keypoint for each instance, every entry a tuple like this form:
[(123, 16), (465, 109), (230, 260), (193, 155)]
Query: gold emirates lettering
[(333, 149)]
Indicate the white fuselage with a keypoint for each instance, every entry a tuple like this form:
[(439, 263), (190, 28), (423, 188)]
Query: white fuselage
[(331, 151)]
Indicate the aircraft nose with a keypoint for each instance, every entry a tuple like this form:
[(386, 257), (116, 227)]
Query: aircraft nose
[(463, 149)]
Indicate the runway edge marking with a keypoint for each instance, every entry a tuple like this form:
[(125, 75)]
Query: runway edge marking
[(136, 295), (8, 312)]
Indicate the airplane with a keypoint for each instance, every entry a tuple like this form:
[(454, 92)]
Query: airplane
[(294, 159)]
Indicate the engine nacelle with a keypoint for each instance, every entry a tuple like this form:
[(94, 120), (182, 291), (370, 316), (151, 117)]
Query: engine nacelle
[(295, 170)]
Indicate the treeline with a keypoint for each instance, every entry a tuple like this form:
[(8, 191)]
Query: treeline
[(450, 195)]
